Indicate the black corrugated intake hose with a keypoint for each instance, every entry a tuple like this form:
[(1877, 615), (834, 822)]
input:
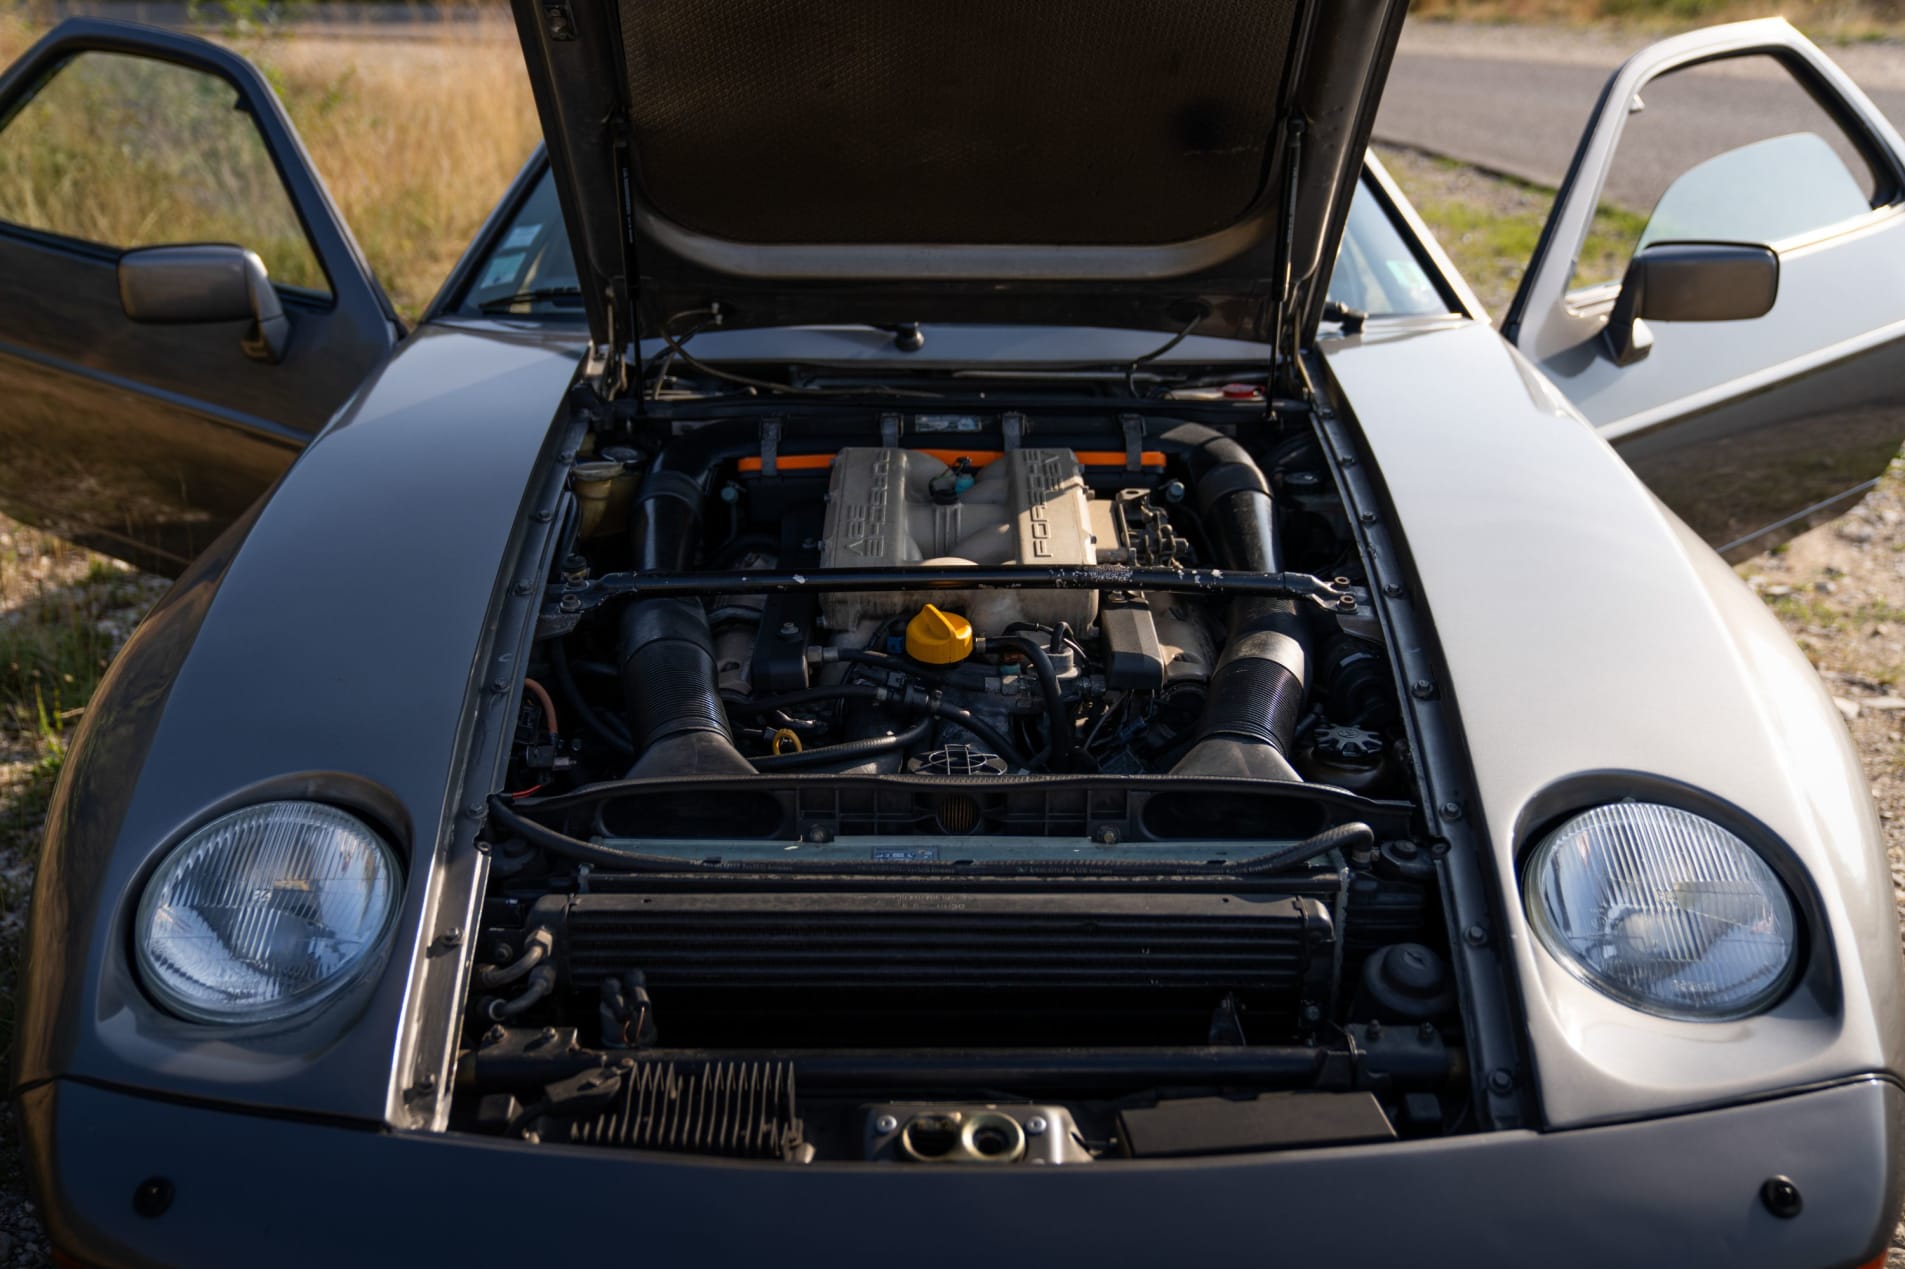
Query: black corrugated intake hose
[(666, 653), (1256, 692)]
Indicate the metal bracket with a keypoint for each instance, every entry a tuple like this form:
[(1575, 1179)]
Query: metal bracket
[(1133, 427), (1012, 430), (770, 447), (889, 431)]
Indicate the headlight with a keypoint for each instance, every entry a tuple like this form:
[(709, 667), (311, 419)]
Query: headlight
[(265, 912), (1664, 911)]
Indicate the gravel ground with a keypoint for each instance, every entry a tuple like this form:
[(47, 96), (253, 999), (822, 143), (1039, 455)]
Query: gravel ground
[(1840, 590), (63, 613)]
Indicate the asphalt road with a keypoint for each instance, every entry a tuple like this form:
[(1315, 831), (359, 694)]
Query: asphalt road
[(1516, 100)]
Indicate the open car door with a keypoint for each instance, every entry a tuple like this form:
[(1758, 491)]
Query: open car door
[(1749, 358), (180, 306)]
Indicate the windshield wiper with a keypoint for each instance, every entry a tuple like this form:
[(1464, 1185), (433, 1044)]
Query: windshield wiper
[(536, 295)]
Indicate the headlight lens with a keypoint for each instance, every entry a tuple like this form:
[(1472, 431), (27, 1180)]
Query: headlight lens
[(265, 912), (1664, 911)]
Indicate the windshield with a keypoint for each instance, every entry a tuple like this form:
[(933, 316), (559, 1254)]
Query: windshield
[(531, 260), (529, 271)]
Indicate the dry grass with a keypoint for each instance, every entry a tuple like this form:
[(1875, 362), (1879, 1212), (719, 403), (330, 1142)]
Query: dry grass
[(416, 137)]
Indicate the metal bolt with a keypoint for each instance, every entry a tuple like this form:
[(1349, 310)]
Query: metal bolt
[(1426, 1032), (1036, 1126), (1451, 810), (1501, 1081), (501, 952), (1422, 689), (545, 516), (1781, 1197), (494, 1035), (1108, 836), (452, 937), (1392, 589), (1311, 1013), (1374, 1031), (569, 603), (1347, 460), (885, 1124), (1346, 601), (567, 456), (426, 1084), (1367, 517), (523, 587), (499, 686), (1475, 936), (789, 631), (474, 810)]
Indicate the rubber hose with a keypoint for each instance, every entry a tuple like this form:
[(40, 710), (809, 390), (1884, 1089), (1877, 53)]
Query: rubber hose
[(870, 747), (867, 692), (1057, 721)]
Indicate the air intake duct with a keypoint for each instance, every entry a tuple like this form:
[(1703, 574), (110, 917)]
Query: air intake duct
[(666, 653), (1256, 692)]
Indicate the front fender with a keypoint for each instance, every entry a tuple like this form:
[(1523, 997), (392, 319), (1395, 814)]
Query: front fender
[(1595, 649), (335, 644)]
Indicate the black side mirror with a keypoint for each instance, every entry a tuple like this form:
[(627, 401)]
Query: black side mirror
[(205, 282), (1689, 282)]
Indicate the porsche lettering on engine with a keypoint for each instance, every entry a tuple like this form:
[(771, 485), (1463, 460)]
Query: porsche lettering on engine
[(892, 507)]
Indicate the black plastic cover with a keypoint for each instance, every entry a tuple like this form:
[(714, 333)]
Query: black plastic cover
[(1271, 1121)]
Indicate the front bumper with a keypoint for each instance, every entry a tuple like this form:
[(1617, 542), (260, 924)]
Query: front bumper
[(246, 1189)]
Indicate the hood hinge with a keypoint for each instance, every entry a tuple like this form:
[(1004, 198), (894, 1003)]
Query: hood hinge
[(608, 364)]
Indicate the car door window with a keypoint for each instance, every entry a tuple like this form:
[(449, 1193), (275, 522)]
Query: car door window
[(1734, 150), (117, 151)]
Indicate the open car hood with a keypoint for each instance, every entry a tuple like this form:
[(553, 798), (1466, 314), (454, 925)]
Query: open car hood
[(1127, 163)]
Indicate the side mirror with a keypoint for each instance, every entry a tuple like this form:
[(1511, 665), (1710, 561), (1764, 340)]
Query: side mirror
[(1689, 282), (205, 282)]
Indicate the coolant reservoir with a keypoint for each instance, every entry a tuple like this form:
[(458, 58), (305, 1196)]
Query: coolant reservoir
[(899, 507)]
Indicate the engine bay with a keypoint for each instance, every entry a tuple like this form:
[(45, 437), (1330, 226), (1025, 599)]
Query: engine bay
[(929, 788)]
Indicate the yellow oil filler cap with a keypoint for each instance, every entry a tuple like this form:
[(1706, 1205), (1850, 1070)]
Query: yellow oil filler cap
[(938, 638)]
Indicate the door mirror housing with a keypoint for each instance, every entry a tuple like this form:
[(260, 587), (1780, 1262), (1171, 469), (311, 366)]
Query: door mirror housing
[(1689, 282), (205, 282)]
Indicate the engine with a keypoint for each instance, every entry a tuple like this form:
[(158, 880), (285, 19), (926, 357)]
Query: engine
[(1047, 662), (892, 507), (926, 756)]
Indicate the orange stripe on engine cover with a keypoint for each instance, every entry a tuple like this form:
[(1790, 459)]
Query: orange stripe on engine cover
[(978, 458)]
